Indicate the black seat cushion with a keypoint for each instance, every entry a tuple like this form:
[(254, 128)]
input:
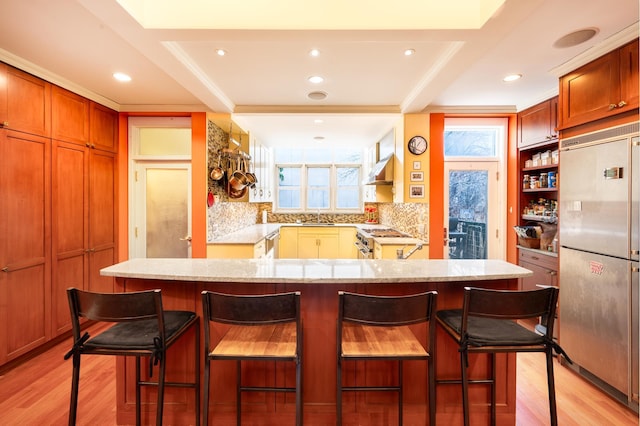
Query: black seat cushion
[(139, 335), (490, 331)]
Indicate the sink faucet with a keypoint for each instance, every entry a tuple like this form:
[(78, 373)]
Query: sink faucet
[(400, 252)]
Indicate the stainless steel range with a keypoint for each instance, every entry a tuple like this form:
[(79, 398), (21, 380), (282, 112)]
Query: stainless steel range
[(365, 236)]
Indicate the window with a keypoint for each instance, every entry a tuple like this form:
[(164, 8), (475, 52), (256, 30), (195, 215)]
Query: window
[(315, 179), (473, 138)]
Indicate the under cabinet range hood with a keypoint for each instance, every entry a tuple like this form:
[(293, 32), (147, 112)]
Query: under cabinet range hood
[(382, 172)]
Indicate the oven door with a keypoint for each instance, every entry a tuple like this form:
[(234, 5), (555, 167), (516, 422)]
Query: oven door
[(363, 251)]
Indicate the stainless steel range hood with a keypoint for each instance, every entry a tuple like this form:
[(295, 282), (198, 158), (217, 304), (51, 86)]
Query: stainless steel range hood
[(382, 172)]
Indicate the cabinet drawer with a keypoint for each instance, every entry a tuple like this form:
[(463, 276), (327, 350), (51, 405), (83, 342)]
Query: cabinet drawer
[(539, 258)]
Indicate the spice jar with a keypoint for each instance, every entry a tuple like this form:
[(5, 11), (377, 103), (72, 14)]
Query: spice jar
[(544, 182), (533, 182), (525, 182), (552, 180)]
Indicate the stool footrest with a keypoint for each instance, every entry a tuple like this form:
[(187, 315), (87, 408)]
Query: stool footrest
[(265, 389), (371, 388)]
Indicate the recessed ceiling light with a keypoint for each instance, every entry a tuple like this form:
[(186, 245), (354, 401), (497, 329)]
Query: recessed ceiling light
[(316, 79), (120, 76), (409, 52), (221, 52), (512, 77), (314, 52), (318, 121), (575, 38), (317, 96)]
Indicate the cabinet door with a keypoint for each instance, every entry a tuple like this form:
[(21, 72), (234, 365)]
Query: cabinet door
[(103, 128), (629, 85), (587, 93), (70, 228), (329, 246), (69, 116), (537, 124), (28, 106), (308, 246), (25, 246), (347, 249), (288, 246), (102, 218)]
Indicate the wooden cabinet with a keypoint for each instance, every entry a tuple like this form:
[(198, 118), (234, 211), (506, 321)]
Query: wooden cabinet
[(84, 230), (543, 265), (236, 251), (25, 102), (25, 245), (69, 116), (318, 242), (288, 247), (538, 124), (604, 87), (538, 201), (347, 249), (103, 128)]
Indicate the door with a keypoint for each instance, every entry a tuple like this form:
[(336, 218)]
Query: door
[(594, 198), (595, 316), (471, 210), (160, 187), (162, 210)]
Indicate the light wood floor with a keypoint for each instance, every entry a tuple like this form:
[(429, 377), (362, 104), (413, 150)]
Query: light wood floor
[(37, 393)]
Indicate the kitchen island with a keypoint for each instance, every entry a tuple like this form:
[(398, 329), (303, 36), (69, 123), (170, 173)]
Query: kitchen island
[(318, 280)]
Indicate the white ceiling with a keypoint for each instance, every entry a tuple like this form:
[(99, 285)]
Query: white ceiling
[(262, 80)]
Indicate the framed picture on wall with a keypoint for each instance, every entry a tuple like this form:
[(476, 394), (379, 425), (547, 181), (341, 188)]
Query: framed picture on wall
[(416, 191), (417, 176)]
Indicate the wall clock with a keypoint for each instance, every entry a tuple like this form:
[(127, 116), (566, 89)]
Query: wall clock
[(417, 145)]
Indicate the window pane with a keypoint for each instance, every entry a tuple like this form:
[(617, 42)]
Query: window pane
[(289, 176), (348, 176), (468, 192), (318, 198), (471, 142), (318, 176), (288, 199), (348, 198)]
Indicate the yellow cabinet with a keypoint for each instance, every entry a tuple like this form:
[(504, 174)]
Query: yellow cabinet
[(390, 251), (318, 243), (347, 249), (288, 247), (236, 251)]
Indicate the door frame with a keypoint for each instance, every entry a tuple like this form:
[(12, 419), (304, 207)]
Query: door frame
[(134, 126), (495, 207)]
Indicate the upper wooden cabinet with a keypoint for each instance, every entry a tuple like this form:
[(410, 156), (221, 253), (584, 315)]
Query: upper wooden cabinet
[(538, 123), (69, 116), (604, 87), (103, 128), (25, 102)]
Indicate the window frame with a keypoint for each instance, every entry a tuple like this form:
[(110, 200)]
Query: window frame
[(333, 188)]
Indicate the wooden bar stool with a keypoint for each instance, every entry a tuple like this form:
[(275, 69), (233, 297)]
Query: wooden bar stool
[(142, 329), (377, 328), (487, 324), (262, 327)]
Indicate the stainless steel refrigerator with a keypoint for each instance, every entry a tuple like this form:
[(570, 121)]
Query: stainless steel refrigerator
[(599, 189)]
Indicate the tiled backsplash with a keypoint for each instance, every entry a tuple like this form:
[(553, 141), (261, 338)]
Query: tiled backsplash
[(224, 216)]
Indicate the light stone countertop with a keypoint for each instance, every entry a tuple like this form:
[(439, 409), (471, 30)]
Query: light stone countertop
[(325, 271), (253, 234)]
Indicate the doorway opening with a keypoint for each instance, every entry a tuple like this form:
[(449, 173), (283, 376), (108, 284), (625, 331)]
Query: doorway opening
[(474, 192), (160, 187)]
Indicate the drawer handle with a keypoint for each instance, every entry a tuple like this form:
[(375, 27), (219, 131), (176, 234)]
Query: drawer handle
[(5, 269)]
